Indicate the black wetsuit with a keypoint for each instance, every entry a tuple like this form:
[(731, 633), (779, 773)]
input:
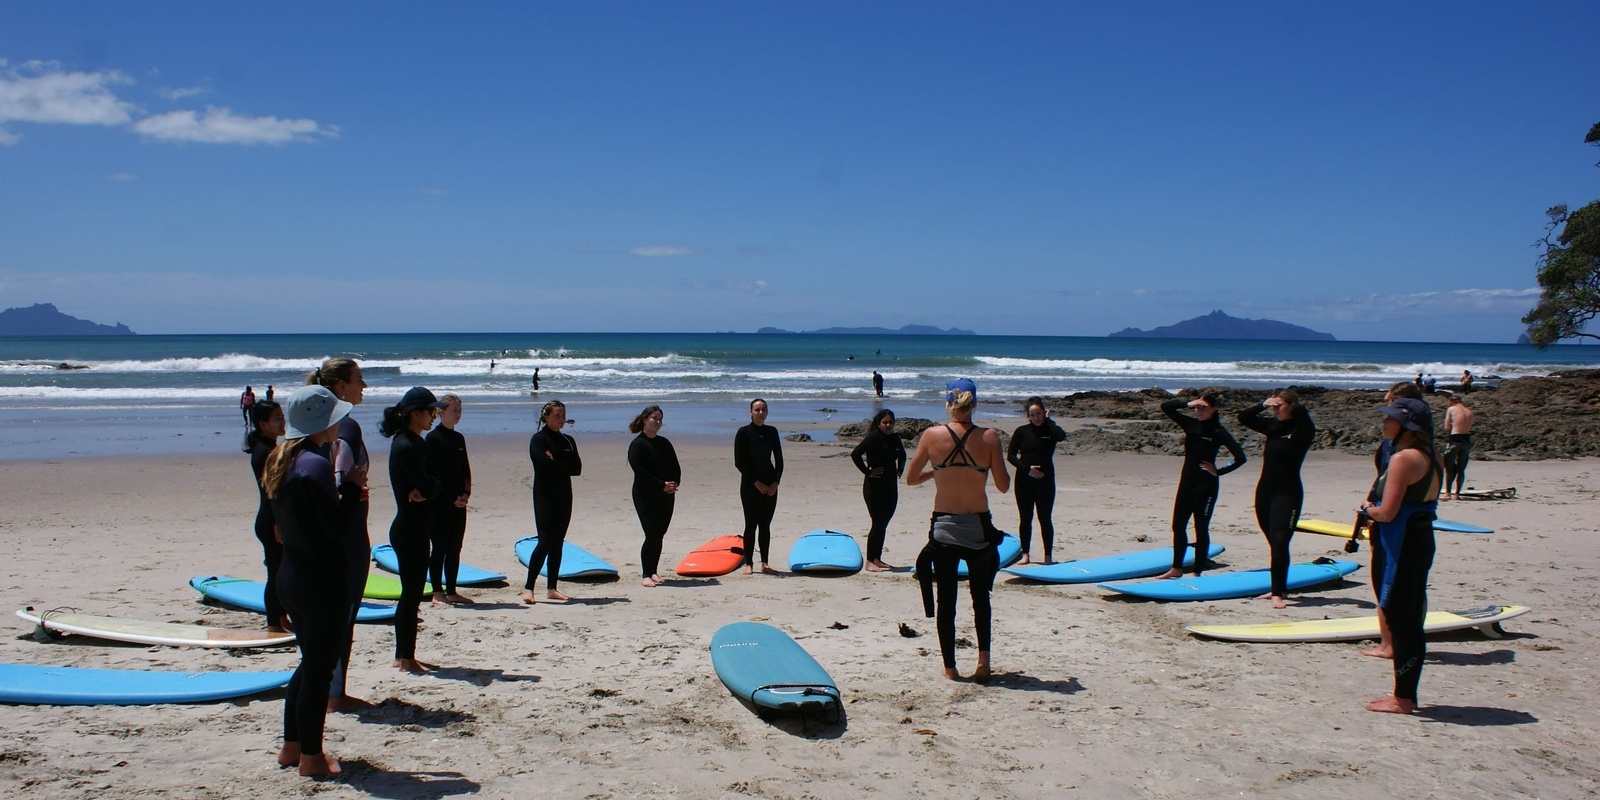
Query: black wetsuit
[(758, 455), (654, 464), (1402, 586), (1457, 452), (311, 585), (447, 454), (1197, 489), (357, 545), (271, 548), (887, 454), (1035, 446), (1279, 493), (408, 534), (552, 500)]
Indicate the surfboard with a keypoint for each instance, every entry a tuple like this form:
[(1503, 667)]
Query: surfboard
[(33, 684), (1230, 585), (719, 556), (251, 596), (825, 551), (1327, 527), (1486, 619), (382, 586), (1458, 527), (141, 632), (761, 664), (1010, 553), (466, 575), (1508, 493), (576, 562), (1137, 564)]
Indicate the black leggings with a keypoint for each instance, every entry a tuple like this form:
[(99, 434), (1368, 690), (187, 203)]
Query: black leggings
[(320, 634), (982, 565), (409, 537), (882, 496), (1277, 511), (1457, 453), (272, 551), (551, 516), (358, 557), (1408, 605), (448, 531), (1197, 498), (1040, 494), (758, 511), (654, 508)]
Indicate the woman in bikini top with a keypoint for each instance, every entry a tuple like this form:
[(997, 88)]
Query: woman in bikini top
[(960, 491)]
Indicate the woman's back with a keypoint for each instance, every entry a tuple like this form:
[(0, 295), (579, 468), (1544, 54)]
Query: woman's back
[(962, 456)]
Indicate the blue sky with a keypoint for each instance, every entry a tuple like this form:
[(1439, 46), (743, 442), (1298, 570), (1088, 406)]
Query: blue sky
[(1373, 170)]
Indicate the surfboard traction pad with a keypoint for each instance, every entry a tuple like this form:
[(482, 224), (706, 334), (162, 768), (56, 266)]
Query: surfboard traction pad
[(807, 690)]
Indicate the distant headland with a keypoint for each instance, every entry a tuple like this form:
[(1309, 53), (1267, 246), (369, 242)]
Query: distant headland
[(1218, 325), (43, 319), (908, 330)]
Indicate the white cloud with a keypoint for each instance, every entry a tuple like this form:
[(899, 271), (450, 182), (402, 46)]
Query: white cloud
[(179, 93), (40, 92), (743, 286), (661, 250), (221, 126)]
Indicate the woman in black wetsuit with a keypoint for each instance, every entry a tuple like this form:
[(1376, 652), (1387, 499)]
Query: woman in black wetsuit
[(447, 453), (881, 457), (758, 455), (555, 464), (1203, 438), (311, 579), (655, 487), (1404, 516), (1289, 433), (415, 483), (1032, 451), (266, 425), (342, 376)]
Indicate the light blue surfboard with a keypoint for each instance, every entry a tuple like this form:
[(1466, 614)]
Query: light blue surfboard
[(826, 551), (1458, 527), (76, 686), (251, 596), (761, 664), (1137, 564), (1229, 585), (576, 562), (466, 576)]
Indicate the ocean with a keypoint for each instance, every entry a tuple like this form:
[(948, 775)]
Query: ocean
[(122, 395)]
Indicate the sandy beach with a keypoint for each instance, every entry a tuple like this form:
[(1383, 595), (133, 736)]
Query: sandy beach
[(613, 695)]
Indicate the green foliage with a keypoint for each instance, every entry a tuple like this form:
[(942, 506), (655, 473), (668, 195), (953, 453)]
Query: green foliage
[(1569, 273)]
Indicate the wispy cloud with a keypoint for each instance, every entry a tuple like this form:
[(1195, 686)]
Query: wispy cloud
[(181, 92), (122, 177), (661, 251), (428, 190), (218, 125), (738, 285), (40, 92)]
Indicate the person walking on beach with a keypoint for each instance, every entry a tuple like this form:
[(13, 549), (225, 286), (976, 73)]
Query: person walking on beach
[(342, 377), (1458, 418), (655, 488), (447, 454), (266, 425), (414, 483), (1032, 451), (246, 400), (1279, 493), (1404, 519), (555, 464), (960, 458), (1200, 479), (758, 455), (311, 584), (881, 457)]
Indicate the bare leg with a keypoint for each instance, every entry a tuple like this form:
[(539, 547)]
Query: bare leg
[(1392, 705), (1385, 648)]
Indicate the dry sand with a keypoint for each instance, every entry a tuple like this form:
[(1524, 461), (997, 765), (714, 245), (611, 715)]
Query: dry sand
[(613, 696)]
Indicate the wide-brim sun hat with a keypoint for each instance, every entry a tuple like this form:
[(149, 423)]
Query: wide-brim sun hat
[(312, 410), (1413, 415)]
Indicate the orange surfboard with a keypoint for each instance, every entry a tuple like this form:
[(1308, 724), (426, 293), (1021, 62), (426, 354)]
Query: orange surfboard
[(719, 556)]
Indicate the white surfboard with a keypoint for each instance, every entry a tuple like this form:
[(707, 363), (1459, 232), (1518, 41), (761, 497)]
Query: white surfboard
[(142, 632), (1486, 619)]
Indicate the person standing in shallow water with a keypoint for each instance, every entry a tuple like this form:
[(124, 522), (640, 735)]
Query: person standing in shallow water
[(655, 488), (1279, 493), (881, 457), (555, 464), (758, 455)]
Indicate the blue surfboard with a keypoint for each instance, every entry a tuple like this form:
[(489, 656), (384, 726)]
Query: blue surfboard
[(1458, 527), (826, 551), (576, 562), (1137, 564), (251, 596), (763, 665), (1010, 553), (466, 576), (1229, 585), (76, 686)]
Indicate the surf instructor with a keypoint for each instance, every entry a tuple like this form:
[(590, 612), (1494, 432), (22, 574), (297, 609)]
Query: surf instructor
[(960, 458)]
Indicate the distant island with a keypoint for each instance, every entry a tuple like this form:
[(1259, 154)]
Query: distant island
[(908, 330), (1218, 325), (43, 319)]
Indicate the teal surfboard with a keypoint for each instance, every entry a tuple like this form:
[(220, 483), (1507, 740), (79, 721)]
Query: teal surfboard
[(1458, 527), (826, 551), (762, 665), (33, 684), (1137, 564), (251, 596), (465, 576), (1230, 585), (576, 562)]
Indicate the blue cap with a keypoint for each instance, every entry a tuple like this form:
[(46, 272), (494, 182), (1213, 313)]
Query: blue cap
[(1413, 415), (960, 385)]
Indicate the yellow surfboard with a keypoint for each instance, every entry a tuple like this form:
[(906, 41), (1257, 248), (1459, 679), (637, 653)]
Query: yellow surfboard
[(1326, 527), (1486, 619)]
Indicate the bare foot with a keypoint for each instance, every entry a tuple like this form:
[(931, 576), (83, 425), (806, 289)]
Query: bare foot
[(649, 583), (318, 765), (556, 596), (1278, 604), (410, 665), (1392, 705), (1379, 652), (459, 599), (656, 576), (527, 597), (1267, 596), (1049, 560), (749, 570), (951, 674), (276, 629), (766, 569), (348, 704), (439, 599), (981, 674), (872, 566), (1170, 574), (289, 754), (885, 566), (1023, 562)]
